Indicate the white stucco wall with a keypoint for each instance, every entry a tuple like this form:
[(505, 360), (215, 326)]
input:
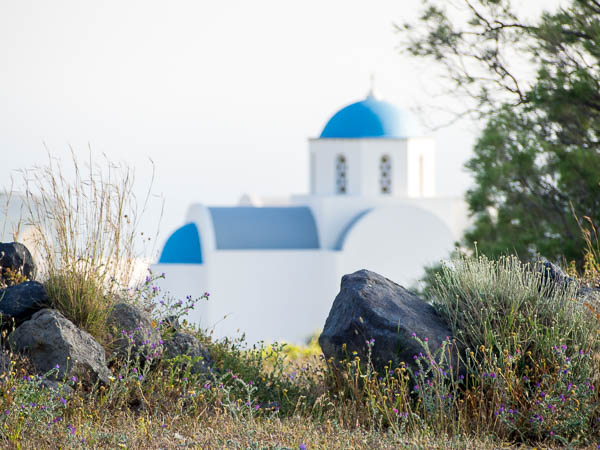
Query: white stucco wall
[(268, 295), (420, 172), (396, 242)]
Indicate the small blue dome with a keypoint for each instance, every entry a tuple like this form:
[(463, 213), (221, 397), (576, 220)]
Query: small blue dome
[(182, 247), (371, 118)]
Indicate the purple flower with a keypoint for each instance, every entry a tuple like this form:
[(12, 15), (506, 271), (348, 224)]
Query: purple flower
[(63, 401), (302, 447), (74, 379)]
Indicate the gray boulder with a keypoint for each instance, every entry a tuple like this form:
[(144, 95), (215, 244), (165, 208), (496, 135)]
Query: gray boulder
[(5, 362), (49, 339), (553, 275), (186, 344), (15, 257), (133, 330), (370, 306), (23, 300)]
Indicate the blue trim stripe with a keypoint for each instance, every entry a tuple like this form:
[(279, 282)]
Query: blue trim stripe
[(342, 239), (243, 228), (183, 247)]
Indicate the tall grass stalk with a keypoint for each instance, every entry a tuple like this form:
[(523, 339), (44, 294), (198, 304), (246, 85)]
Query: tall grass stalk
[(86, 233)]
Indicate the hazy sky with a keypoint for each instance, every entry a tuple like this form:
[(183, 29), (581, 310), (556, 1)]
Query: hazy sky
[(222, 95)]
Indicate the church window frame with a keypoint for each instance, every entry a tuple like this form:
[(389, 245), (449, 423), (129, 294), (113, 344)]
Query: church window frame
[(341, 174), (385, 174)]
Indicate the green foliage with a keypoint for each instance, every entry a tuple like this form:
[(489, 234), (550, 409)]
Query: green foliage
[(506, 305), (536, 162), (81, 300)]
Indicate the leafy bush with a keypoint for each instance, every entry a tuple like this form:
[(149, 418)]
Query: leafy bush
[(506, 306)]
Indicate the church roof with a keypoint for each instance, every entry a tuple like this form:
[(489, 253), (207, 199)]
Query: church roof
[(277, 228), (371, 118), (182, 247)]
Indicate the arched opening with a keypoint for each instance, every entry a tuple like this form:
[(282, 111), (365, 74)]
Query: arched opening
[(341, 174), (385, 174)]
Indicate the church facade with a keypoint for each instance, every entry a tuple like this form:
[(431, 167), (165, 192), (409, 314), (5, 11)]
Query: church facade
[(273, 270)]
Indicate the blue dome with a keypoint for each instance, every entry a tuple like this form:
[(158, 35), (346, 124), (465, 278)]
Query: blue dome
[(371, 118), (182, 247)]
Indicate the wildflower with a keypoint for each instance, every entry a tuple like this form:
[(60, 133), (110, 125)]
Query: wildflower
[(111, 378), (7, 412), (395, 411), (63, 401), (414, 334), (74, 379)]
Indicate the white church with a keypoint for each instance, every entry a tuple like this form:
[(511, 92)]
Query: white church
[(273, 270)]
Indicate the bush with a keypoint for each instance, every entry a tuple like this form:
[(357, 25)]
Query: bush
[(506, 306)]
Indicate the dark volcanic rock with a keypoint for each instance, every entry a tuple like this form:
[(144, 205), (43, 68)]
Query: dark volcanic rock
[(186, 344), (133, 328), (554, 276), (370, 306), (49, 339), (16, 257), (23, 300)]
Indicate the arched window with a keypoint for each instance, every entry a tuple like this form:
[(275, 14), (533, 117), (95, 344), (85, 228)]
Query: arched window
[(385, 174), (340, 174)]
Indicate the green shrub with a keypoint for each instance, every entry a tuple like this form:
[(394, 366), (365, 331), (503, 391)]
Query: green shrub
[(507, 306)]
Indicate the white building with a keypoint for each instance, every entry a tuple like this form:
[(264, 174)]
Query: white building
[(273, 271)]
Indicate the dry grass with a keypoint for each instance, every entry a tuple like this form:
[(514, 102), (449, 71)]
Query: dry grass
[(85, 220), (221, 431)]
